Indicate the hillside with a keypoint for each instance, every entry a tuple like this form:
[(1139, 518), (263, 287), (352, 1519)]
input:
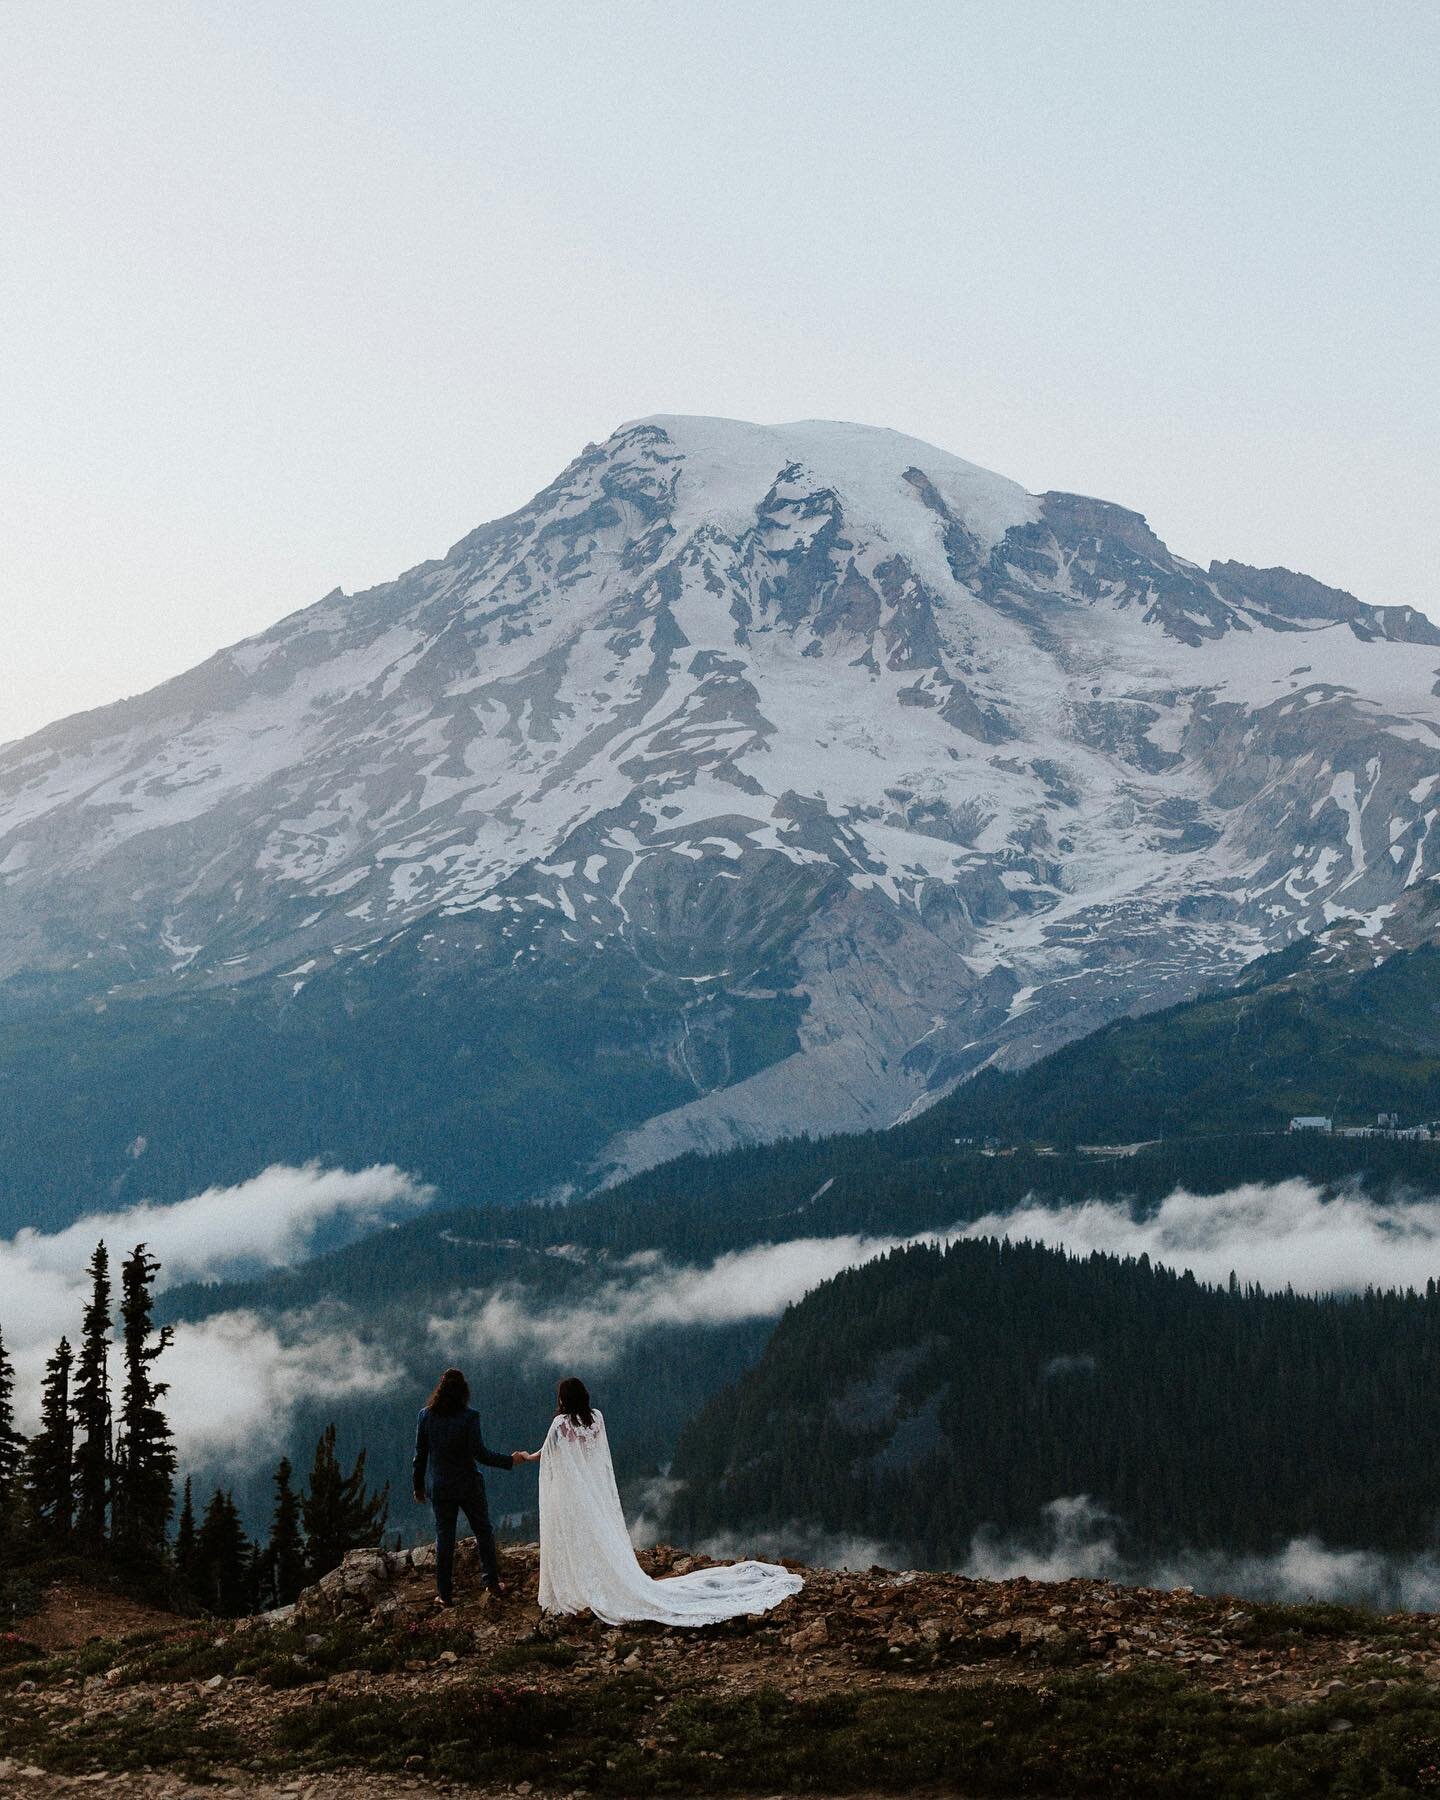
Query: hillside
[(527, 1294), (938, 1396), (748, 780), (1307, 1032), (862, 1684)]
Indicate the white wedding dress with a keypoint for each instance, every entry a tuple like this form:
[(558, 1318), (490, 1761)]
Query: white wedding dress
[(586, 1558)]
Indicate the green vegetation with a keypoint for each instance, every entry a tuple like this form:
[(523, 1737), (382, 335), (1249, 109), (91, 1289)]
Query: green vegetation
[(441, 1064), (512, 1713), (933, 1393), (913, 1178), (1297, 1038), (92, 1494), (1133, 1737)]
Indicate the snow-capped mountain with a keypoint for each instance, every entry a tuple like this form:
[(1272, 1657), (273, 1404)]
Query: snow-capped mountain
[(812, 724)]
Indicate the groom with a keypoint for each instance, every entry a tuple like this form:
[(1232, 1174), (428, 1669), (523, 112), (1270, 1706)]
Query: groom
[(449, 1446)]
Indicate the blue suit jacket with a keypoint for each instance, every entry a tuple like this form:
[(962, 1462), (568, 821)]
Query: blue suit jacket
[(449, 1450)]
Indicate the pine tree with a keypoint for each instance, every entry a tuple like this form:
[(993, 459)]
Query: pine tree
[(145, 1451), (254, 1586), (222, 1557), (50, 1466), (91, 1405), (185, 1538), (338, 1513), (12, 1456), (284, 1571)]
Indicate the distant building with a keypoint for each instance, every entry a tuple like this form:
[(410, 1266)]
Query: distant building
[(1388, 1121), (1311, 1122)]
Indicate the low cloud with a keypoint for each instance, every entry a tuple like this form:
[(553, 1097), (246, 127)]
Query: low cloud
[(1076, 1537), (1286, 1234), (803, 1543), (647, 1291), (797, 1541), (269, 1222), (1289, 1234), (235, 1379)]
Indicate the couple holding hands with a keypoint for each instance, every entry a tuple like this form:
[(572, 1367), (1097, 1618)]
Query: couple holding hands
[(587, 1562)]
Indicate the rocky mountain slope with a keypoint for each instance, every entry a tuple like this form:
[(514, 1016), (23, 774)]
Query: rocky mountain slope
[(1306, 1032), (861, 1684), (806, 769)]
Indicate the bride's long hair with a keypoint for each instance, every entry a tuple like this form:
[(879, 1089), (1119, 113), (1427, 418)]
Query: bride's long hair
[(452, 1395), (573, 1399)]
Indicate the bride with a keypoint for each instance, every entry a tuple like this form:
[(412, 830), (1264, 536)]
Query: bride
[(586, 1559)]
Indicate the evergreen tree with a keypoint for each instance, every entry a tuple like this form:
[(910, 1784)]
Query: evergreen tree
[(222, 1557), (145, 1451), (91, 1405), (284, 1570), (255, 1578), (338, 1512), (50, 1466), (185, 1539), (12, 1455)]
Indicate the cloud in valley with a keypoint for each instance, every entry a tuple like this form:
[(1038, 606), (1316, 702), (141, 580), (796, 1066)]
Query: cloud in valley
[(234, 1377), (1075, 1537), (647, 1291), (1285, 1234)]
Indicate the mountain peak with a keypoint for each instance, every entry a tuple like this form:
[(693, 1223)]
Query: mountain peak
[(729, 466), (841, 766)]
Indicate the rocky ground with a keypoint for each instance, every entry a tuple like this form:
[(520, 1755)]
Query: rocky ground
[(862, 1684)]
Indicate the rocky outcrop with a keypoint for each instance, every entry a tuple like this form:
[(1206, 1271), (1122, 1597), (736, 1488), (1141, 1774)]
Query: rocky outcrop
[(883, 1681)]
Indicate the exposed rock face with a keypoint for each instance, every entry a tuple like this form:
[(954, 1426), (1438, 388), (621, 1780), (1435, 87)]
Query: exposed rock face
[(813, 722)]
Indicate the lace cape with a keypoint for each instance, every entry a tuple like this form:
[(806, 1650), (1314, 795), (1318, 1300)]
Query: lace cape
[(586, 1558)]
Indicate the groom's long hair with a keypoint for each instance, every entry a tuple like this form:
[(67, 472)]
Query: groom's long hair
[(573, 1399), (452, 1394)]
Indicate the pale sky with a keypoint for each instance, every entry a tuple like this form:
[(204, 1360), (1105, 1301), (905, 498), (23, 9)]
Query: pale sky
[(294, 296)]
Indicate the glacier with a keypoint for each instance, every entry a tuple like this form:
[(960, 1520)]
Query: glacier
[(812, 715)]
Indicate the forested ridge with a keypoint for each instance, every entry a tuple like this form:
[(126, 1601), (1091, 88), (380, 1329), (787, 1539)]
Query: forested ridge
[(936, 1392), (880, 1184), (1300, 1035)]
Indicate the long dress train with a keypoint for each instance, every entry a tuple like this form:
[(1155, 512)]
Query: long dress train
[(587, 1561)]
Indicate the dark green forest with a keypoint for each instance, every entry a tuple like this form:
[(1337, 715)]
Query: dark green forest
[(441, 1067), (1207, 1079), (917, 1178), (926, 1396)]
